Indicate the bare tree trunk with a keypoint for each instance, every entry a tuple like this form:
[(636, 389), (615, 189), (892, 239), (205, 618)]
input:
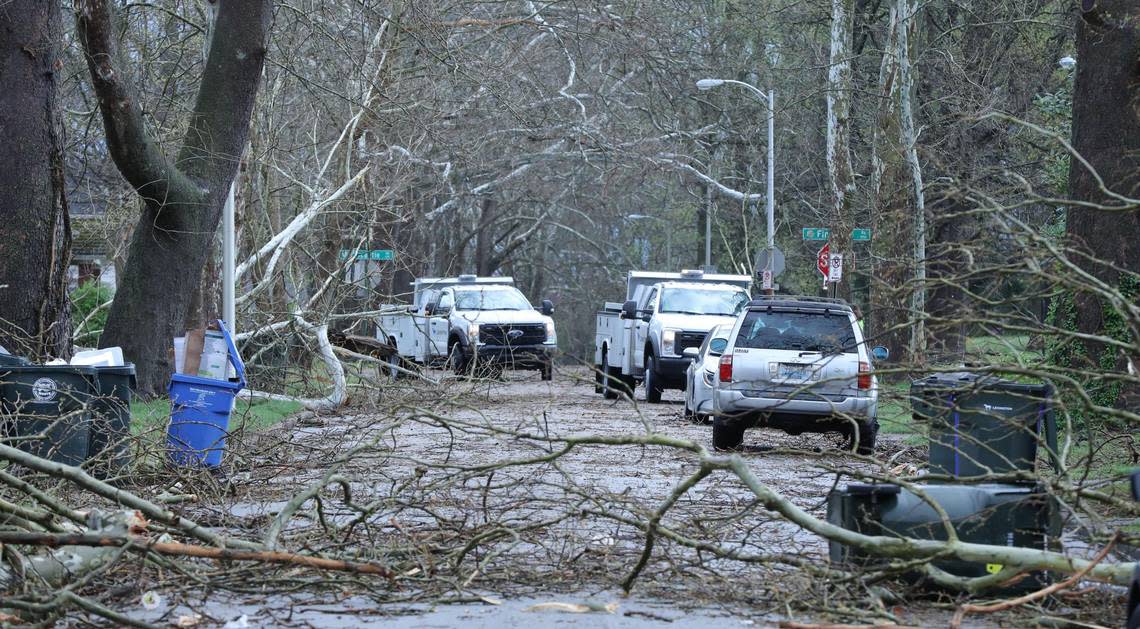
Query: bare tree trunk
[(839, 170), (183, 197), (909, 139), (35, 234)]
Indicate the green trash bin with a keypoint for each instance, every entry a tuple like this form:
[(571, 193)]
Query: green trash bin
[(109, 445), (47, 409), (982, 425), (995, 514)]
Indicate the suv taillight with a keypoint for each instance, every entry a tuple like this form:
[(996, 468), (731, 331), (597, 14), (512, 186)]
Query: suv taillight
[(726, 368), (864, 375)]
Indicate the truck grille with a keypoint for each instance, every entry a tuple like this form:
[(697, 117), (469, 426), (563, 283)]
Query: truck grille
[(689, 339), (513, 334)]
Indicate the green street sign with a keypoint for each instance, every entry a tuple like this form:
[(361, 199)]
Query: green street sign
[(861, 234), (816, 233), (365, 254)]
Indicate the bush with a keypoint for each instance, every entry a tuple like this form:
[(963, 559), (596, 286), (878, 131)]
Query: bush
[(84, 301)]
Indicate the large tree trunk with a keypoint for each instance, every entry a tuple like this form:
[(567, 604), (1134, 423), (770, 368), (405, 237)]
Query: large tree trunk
[(840, 173), (182, 198), (35, 236), (1106, 133)]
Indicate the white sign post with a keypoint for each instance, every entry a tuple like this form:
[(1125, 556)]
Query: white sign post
[(835, 267), (767, 281)]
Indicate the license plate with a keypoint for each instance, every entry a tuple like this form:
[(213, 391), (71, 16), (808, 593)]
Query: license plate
[(793, 372)]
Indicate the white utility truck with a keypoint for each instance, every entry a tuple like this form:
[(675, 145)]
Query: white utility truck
[(644, 339), (471, 323)]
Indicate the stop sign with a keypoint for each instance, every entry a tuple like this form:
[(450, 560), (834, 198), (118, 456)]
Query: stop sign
[(822, 260)]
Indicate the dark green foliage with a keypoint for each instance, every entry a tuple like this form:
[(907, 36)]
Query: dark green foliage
[(84, 300), (1088, 362)]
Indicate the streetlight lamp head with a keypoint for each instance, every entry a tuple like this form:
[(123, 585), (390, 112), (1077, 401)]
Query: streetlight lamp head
[(1067, 63), (708, 84)]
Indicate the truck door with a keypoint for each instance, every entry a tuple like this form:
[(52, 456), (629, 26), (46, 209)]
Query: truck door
[(421, 321), (641, 332), (439, 324)]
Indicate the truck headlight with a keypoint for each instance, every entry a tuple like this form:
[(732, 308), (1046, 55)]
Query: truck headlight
[(668, 341), (551, 335), (473, 332)]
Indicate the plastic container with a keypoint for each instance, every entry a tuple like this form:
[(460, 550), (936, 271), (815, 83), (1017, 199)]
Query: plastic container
[(47, 409), (200, 413), (995, 514), (105, 357), (982, 425), (109, 446)]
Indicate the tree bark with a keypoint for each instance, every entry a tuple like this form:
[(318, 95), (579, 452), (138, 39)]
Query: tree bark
[(182, 197), (1106, 133), (35, 233)]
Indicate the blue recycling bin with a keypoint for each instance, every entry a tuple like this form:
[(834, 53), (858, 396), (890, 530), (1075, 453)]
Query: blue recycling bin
[(200, 413)]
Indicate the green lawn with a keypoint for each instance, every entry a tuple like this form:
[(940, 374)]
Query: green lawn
[(251, 415)]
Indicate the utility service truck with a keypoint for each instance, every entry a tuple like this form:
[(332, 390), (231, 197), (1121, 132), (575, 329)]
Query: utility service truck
[(655, 333), (470, 323)]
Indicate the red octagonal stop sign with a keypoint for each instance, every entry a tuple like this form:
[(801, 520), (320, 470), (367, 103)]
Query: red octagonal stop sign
[(821, 260)]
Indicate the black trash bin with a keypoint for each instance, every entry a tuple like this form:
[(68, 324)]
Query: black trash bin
[(7, 360), (983, 425), (109, 444), (47, 409), (996, 514)]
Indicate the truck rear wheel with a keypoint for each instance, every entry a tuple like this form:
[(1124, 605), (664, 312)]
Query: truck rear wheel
[(727, 435), (653, 388)]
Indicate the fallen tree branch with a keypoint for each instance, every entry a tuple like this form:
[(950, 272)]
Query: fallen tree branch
[(970, 608), (188, 550), (118, 496)]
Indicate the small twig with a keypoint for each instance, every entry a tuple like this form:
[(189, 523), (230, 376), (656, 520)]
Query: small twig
[(968, 608)]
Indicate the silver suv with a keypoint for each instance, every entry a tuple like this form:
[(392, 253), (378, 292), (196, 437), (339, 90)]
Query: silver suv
[(799, 364)]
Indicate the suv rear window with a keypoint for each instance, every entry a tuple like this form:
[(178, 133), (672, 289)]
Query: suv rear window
[(804, 331)]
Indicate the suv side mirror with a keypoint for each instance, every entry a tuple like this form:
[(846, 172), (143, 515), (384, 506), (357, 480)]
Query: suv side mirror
[(880, 353), (690, 352), (429, 309), (547, 307), (629, 310)]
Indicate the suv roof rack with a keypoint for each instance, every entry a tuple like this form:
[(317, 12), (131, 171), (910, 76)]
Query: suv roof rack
[(772, 300)]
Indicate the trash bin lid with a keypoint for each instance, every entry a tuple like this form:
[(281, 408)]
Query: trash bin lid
[(976, 382)]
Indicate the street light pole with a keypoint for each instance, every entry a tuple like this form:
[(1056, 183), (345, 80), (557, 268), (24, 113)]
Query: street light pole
[(770, 201), (768, 99)]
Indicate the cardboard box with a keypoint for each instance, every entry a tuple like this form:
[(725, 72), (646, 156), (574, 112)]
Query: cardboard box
[(203, 353), (195, 339), (215, 356)]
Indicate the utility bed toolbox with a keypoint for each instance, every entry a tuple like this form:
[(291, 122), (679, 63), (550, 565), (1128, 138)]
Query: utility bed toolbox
[(997, 514)]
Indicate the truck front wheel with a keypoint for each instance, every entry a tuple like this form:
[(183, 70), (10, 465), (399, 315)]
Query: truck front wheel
[(653, 388), (459, 360)]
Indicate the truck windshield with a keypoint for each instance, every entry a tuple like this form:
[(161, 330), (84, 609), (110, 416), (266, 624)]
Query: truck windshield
[(491, 299), (804, 331), (703, 301)]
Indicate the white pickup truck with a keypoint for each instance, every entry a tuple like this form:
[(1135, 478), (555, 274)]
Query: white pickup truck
[(471, 323), (644, 339)]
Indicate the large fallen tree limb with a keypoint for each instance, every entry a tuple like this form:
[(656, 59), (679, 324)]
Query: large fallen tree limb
[(188, 550)]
